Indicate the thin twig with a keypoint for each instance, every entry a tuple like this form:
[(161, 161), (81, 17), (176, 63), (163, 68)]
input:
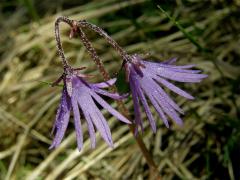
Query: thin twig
[(101, 32), (93, 54), (58, 39)]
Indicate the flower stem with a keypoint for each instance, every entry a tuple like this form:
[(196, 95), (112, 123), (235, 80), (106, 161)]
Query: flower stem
[(101, 32), (93, 54), (58, 39)]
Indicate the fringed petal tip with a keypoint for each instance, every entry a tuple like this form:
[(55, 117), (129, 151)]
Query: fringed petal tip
[(105, 84), (80, 148), (204, 76), (111, 145), (117, 96), (123, 96), (93, 146), (53, 146), (180, 123), (109, 108), (154, 129)]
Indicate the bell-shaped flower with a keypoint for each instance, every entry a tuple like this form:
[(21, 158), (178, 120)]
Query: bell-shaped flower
[(147, 79), (78, 95)]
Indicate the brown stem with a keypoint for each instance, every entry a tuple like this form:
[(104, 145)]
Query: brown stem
[(101, 32), (146, 154), (58, 39), (93, 54)]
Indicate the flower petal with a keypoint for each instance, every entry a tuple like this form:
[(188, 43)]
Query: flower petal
[(90, 110), (136, 105), (145, 105), (91, 131), (176, 76), (177, 66), (62, 119), (159, 110), (150, 82), (174, 88), (186, 71), (111, 95), (166, 65), (166, 106), (77, 122), (105, 84), (102, 126), (89, 120), (152, 98), (109, 108)]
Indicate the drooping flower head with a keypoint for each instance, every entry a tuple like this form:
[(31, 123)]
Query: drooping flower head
[(147, 79), (77, 95)]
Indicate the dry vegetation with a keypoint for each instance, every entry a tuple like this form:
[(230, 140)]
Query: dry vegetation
[(207, 147)]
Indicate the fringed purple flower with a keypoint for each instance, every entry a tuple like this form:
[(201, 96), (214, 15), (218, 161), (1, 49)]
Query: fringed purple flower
[(79, 94), (147, 80)]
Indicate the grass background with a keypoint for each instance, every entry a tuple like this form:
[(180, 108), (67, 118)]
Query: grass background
[(205, 33)]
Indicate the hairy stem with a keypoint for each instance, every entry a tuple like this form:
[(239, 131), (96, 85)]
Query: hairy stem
[(58, 39), (93, 54), (101, 32)]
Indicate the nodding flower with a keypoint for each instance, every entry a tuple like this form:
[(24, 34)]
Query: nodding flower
[(147, 79), (78, 94)]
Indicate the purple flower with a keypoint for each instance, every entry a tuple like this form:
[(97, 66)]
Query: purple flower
[(147, 80), (77, 93)]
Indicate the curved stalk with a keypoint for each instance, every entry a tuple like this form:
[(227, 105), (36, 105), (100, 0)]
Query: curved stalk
[(101, 32), (58, 39)]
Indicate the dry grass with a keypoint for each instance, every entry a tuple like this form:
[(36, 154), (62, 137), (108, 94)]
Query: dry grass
[(204, 148)]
